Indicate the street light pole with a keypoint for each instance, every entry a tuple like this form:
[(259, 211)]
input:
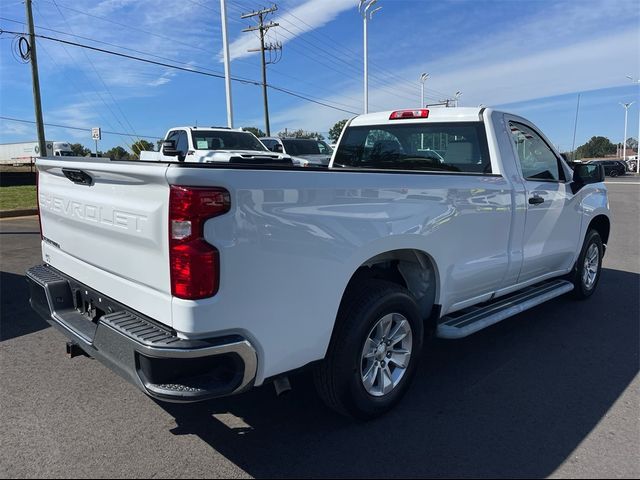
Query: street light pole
[(423, 78), (457, 97), (624, 140), (638, 146), (366, 15), (227, 73)]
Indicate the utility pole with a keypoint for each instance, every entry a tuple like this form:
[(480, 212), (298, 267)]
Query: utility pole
[(227, 68), (42, 146), (263, 28)]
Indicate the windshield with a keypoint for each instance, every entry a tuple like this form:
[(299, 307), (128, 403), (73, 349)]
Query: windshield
[(301, 146), (66, 154), (225, 140)]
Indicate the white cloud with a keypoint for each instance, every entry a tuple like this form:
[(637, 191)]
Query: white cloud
[(306, 17)]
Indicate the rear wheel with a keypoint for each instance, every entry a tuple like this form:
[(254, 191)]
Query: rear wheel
[(374, 351), (586, 273)]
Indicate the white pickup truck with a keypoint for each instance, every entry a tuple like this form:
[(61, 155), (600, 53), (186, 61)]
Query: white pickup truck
[(216, 144), (199, 280)]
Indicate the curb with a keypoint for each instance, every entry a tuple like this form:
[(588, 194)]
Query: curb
[(18, 213)]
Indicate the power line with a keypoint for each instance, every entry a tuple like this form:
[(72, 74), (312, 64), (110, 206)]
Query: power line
[(191, 70), (353, 53), (263, 28), (74, 128), (201, 67), (98, 74), (98, 94)]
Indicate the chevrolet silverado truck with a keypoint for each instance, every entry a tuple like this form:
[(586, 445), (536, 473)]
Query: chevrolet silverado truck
[(199, 280), (216, 144)]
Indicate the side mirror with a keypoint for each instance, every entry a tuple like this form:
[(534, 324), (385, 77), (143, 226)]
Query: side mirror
[(586, 174), (278, 148), (169, 148)]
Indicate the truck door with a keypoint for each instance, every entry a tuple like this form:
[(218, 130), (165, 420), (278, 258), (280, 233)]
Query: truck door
[(552, 224)]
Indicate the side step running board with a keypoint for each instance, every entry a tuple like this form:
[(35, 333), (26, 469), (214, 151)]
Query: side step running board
[(465, 322)]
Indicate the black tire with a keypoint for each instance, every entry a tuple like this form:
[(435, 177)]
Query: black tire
[(583, 289), (338, 378)]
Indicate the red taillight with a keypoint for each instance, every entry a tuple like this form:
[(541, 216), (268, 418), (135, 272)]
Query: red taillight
[(404, 114), (194, 263)]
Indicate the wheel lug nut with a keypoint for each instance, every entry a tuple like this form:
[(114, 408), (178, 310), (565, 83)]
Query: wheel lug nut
[(382, 363), (388, 354)]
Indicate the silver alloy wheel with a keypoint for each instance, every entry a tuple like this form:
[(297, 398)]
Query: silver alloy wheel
[(386, 354), (591, 264)]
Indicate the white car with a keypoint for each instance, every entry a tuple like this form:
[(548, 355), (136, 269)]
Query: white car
[(201, 279)]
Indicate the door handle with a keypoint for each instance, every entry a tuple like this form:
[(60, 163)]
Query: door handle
[(536, 200)]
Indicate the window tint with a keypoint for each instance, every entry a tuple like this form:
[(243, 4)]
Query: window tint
[(537, 160), (268, 143), (324, 148), (225, 140), (302, 146), (173, 136), (448, 147), (182, 144)]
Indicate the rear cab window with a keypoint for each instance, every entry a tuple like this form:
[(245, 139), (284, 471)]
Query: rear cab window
[(448, 147)]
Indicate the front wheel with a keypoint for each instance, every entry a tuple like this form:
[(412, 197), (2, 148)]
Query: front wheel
[(374, 350), (586, 273), (613, 173)]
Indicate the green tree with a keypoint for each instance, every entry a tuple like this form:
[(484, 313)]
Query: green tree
[(256, 131), (300, 134), (632, 143), (595, 148), (336, 130), (117, 153), (139, 146), (79, 150)]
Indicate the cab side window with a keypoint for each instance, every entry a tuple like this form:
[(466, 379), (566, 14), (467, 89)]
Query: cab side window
[(182, 142), (173, 136), (537, 160), (269, 143)]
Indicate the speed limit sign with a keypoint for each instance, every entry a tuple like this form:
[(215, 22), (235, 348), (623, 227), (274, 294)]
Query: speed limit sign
[(96, 133)]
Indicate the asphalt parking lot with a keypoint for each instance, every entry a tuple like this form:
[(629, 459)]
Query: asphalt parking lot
[(552, 392)]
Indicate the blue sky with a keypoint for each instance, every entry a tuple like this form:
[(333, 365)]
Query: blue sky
[(528, 57)]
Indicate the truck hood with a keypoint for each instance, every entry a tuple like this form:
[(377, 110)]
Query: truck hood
[(205, 156)]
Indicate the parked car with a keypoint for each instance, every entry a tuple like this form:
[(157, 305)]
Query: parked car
[(199, 280), (215, 144), (612, 168), (316, 152)]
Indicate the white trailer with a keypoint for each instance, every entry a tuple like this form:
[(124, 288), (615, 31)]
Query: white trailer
[(25, 152)]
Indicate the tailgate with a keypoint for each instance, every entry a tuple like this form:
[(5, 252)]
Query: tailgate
[(110, 215)]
